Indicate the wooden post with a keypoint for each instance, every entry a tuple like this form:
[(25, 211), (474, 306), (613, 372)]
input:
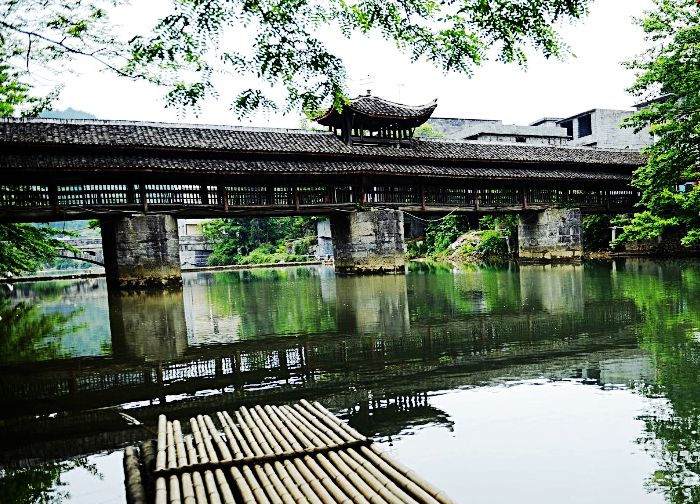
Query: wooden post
[(144, 199), (524, 199), (270, 195), (297, 203), (204, 194), (53, 197), (422, 196), (223, 198)]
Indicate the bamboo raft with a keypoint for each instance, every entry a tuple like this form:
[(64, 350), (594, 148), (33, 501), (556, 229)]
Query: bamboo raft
[(269, 455)]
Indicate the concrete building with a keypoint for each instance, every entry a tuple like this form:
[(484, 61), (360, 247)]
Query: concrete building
[(601, 128), (487, 130)]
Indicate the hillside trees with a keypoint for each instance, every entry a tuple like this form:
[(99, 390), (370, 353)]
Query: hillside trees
[(668, 74)]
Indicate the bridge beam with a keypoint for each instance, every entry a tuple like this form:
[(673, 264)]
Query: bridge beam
[(141, 252), (553, 234), (369, 242)]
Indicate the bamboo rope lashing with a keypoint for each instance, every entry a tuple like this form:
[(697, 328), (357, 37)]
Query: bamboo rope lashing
[(279, 487), (216, 436), (283, 476), (274, 430), (302, 440), (161, 456), (301, 426), (257, 432), (174, 491), (341, 480), (206, 437), (258, 491), (310, 465), (404, 478), (370, 494), (380, 476), (226, 493), (282, 428), (328, 437), (339, 427), (265, 427), (161, 495), (299, 480), (199, 442), (212, 490), (172, 455), (237, 452), (243, 487), (329, 429), (249, 437), (247, 452), (374, 483), (267, 485), (313, 481), (179, 444), (330, 416)]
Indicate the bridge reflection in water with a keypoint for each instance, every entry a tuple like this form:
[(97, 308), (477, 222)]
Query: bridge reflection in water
[(363, 346)]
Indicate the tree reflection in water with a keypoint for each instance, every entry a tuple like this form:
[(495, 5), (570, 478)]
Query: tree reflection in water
[(40, 484)]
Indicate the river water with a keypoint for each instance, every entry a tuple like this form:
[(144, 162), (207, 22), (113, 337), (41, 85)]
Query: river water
[(498, 384)]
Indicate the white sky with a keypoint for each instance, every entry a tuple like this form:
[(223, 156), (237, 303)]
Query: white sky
[(591, 78)]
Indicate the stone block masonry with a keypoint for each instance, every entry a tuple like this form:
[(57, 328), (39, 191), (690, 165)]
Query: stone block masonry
[(553, 234), (141, 252), (369, 242)]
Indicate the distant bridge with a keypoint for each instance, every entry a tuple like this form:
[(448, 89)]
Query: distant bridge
[(194, 249)]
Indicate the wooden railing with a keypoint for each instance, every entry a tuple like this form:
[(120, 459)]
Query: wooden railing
[(104, 198)]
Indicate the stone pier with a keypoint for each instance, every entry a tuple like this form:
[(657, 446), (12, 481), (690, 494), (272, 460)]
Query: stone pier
[(369, 242), (141, 252), (553, 234)]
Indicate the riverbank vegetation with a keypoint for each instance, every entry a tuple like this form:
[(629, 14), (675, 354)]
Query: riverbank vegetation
[(456, 238), (249, 240)]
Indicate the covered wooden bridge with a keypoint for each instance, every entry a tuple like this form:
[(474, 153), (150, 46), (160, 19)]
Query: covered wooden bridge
[(370, 160)]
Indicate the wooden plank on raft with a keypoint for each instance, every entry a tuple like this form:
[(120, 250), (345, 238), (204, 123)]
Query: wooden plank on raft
[(286, 454)]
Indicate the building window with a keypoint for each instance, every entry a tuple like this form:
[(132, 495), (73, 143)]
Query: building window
[(569, 125), (584, 126), (520, 139)]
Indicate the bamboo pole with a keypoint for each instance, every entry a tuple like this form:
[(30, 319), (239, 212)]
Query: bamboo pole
[(378, 485), (249, 437), (330, 416), (179, 444), (199, 442), (212, 490), (161, 456), (216, 436), (267, 485), (341, 480), (226, 493), (328, 429), (327, 437), (206, 437), (299, 480), (161, 491), (279, 487), (284, 430), (243, 415), (247, 452), (258, 491), (243, 487), (233, 443), (314, 483), (379, 475), (284, 446), (333, 489), (312, 438), (367, 491), (172, 456), (302, 440), (265, 427), (398, 473), (281, 473), (174, 491)]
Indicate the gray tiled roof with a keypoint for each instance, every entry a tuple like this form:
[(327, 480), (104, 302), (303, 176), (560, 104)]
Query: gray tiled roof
[(89, 163), (114, 138)]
